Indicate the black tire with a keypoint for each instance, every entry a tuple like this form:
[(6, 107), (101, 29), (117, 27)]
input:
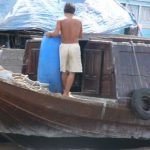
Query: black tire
[(140, 103)]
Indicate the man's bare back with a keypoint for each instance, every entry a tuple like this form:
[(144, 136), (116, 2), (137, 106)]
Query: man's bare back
[(71, 29)]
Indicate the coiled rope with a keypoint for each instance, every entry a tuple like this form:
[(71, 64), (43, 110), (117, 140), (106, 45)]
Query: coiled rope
[(23, 81)]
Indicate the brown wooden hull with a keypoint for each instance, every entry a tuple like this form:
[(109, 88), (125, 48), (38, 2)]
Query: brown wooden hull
[(30, 113)]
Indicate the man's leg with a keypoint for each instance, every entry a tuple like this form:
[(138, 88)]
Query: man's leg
[(68, 83), (64, 78)]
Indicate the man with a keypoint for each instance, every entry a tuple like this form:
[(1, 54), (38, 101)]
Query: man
[(70, 55)]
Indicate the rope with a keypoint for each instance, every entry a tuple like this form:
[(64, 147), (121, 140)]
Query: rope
[(23, 81), (137, 65)]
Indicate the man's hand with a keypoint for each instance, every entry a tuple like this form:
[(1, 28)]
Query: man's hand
[(48, 34), (55, 33)]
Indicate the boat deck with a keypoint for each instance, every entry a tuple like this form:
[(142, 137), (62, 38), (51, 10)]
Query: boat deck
[(95, 99)]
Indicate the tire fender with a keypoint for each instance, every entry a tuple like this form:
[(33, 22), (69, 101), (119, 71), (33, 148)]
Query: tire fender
[(140, 103)]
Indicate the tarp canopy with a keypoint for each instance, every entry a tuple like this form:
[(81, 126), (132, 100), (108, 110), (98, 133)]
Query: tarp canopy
[(98, 16)]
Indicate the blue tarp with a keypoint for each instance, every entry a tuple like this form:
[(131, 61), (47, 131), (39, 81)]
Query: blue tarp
[(98, 16)]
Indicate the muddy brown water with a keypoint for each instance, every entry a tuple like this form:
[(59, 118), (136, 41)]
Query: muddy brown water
[(10, 146)]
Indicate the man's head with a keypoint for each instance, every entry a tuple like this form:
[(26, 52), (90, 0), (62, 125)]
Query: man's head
[(69, 8)]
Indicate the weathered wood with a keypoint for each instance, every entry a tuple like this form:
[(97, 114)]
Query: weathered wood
[(30, 61), (131, 63), (105, 64), (12, 59), (92, 65), (31, 113)]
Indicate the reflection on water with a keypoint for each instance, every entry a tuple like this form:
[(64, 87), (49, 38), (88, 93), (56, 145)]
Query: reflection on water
[(10, 146)]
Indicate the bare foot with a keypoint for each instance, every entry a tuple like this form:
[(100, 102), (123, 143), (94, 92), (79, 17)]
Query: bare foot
[(70, 95), (65, 94)]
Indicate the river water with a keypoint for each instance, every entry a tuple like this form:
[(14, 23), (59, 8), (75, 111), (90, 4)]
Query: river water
[(82, 144)]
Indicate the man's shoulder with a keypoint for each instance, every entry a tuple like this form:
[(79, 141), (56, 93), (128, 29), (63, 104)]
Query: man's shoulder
[(74, 17), (61, 18), (77, 18)]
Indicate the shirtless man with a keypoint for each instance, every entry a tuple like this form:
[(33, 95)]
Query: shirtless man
[(70, 55)]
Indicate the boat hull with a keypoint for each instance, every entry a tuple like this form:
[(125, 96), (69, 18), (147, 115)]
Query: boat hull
[(31, 113)]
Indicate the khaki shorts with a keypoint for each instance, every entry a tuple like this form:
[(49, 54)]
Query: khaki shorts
[(70, 58)]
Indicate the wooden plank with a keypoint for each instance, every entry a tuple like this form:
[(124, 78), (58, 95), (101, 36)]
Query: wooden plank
[(93, 57), (132, 69)]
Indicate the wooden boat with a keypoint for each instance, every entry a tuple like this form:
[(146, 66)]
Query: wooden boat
[(27, 112), (102, 106), (36, 120)]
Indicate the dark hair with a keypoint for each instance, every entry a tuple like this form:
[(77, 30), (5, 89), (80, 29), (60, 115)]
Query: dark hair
[(69, 8)]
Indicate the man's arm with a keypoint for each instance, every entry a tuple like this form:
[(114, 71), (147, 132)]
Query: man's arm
[(81, 32), (56, 31)]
